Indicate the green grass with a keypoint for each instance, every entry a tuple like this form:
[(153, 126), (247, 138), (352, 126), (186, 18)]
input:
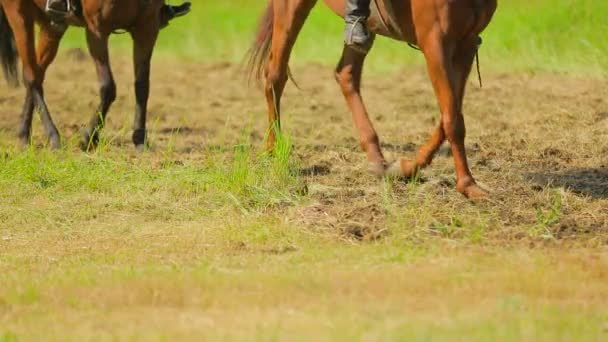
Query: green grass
[(548, 35), (107, 246), (240, 177)]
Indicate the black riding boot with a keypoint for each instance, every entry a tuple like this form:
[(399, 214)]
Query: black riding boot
[(169, 12), (356, 34)]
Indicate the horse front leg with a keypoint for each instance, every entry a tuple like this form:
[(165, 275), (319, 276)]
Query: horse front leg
[(288, 19), (348, 76), (98, 48), (144, 39)]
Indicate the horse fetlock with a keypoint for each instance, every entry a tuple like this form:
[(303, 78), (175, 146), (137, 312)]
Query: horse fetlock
[(24, 136), (370, 142), (270, 143), (108, 92), (401, 168), (409, 168)]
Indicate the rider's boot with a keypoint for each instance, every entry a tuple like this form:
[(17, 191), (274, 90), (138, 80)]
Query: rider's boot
[(356, 33), (169, 12)]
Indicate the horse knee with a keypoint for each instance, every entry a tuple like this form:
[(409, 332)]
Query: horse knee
[(275, 84), (454, 128), (32, 82), (275, 78)]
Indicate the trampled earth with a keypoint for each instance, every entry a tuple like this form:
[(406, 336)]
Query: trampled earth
[(531, 138)]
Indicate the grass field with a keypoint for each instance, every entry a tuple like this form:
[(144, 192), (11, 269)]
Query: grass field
[(205, 237)]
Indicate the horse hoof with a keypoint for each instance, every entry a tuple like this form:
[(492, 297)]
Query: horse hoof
[(377, 169), (401, 168), (88, 142), (24, 141), (141, 148), (139, 139), (474, 192), (55, 142)]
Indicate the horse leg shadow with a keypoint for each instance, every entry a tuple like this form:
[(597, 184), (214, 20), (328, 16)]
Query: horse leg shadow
[(589, 182)]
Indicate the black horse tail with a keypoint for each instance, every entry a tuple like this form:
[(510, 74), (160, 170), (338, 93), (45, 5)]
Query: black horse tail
[(8, 51)]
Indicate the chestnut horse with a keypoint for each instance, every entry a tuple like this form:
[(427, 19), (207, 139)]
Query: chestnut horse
[(446, 31), (141, 18)]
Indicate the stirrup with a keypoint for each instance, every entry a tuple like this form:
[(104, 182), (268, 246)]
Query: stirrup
[(59, 15)]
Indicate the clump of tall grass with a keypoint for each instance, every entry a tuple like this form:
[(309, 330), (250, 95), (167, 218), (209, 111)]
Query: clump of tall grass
[(239, 177), (260, 178)]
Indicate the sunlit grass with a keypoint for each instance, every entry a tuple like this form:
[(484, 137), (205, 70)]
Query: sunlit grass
[(241, 177)]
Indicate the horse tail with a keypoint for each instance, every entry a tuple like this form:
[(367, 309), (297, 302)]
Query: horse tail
[(8, 51), (260, 49)]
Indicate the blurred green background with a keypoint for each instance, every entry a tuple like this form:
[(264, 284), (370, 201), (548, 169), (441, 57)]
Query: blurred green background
[(548, 35)]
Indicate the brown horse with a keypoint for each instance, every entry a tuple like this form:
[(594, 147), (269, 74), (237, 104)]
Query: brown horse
[(141, 18), (446, 31)]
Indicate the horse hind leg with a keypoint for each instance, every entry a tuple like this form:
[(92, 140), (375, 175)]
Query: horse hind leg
[(449, 67), (24, 134), (48, 44), (289, 17), (463, 62), (33, 72)]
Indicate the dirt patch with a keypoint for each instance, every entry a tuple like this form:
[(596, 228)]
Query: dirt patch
[(358, 222)]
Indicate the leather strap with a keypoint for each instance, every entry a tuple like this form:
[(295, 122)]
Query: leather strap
[(386, 18)]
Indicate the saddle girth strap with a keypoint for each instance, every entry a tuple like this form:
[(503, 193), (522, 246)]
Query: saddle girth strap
[(383, 19)]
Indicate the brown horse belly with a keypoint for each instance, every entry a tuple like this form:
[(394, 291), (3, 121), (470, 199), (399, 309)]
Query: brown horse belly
[(108, 16), (105, 15)]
